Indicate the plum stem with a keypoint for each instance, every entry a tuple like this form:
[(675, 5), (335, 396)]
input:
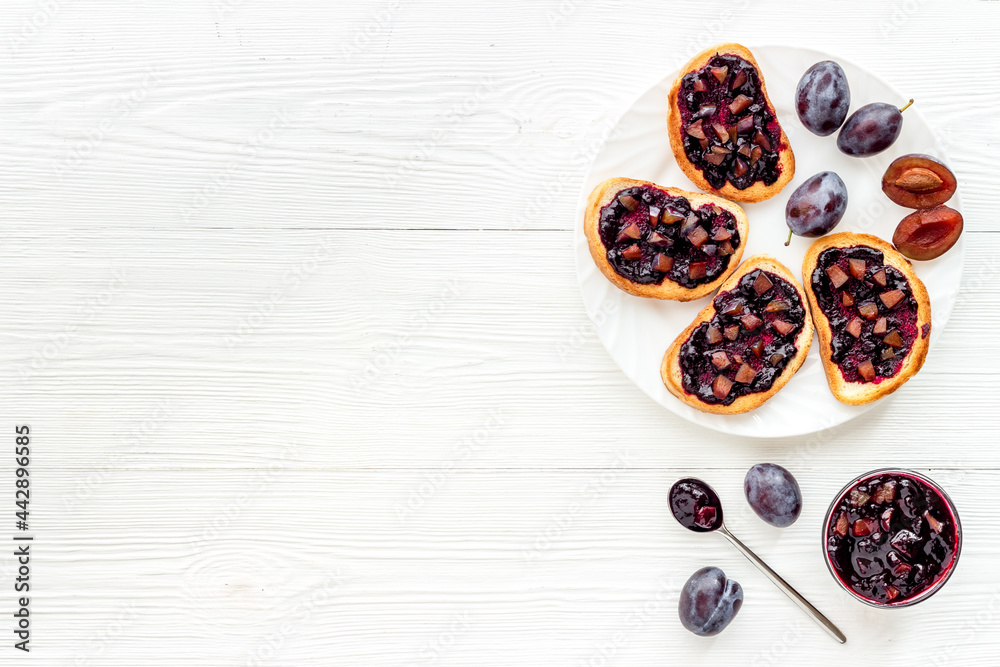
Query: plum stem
[(906, 107), (789, 239)]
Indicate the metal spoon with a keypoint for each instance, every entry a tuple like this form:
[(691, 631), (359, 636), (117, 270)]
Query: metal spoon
[(697, 507)]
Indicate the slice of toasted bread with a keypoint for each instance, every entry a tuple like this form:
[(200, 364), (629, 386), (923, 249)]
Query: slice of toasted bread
[(858, 393), (754, 193), (604, 193), (670, 370)]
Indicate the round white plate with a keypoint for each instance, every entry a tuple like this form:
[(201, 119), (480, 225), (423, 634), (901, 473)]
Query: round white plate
[(637, 331)]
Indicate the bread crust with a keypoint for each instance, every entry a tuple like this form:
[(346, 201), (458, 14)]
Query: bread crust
[(859, 393), (786, 158), (604, 193), (670, 369)]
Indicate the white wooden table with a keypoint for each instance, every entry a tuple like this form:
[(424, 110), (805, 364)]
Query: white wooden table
[(290, 307)]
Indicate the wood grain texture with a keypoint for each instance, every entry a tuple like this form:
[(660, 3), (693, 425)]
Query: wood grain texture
[(290, 306)]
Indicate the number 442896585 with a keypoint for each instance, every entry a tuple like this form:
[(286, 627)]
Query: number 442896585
[(21, 492)]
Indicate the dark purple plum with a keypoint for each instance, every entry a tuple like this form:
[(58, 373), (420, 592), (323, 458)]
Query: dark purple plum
[(773, 494), (823, 98), (816, 206), (709, 602), (871, 129)]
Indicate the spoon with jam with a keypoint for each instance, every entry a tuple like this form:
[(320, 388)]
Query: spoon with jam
[(697, 507)]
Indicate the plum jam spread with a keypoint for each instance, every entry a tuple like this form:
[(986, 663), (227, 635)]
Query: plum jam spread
[(747, 343), (729, 130), (651, 236), (890, 537), (695, 505), (871, 310)]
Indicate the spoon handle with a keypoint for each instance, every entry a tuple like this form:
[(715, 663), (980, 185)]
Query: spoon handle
[(786, 588)]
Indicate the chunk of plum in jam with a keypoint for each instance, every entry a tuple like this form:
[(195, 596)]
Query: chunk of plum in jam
[(745, 346), (728, 129), (891, 537), (871, 311), (650, 236)]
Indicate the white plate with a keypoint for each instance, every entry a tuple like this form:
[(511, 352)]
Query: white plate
[(637, 331)]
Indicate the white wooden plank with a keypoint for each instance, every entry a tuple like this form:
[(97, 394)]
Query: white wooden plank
[(252, 131), (205, 565), (205, 462), (312, 326)]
